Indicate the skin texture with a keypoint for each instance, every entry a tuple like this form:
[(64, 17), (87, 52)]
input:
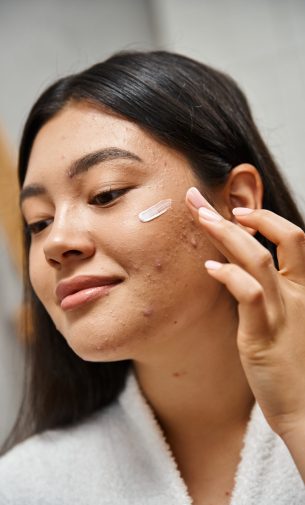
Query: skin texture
[(179, 322), (157, 300)]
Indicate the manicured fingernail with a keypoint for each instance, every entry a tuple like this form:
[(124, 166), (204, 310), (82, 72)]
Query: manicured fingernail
[(196, 198), (212, 265), (241, 211), (209, 215)]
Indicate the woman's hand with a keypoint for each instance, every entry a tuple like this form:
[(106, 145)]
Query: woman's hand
[(271, 305)]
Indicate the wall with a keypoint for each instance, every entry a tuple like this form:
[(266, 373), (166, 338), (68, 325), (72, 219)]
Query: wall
[(261, 44), (46, 39)]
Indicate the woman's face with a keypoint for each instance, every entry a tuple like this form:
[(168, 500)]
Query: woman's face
[(78, 236)]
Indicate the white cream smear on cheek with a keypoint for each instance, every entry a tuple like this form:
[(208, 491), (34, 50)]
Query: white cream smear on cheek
[(155, 211)]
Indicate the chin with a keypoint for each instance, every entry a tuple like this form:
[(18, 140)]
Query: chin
[(99, 350)]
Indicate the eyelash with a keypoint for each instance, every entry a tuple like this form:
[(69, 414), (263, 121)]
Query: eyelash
[(38, 226), (103, 193)]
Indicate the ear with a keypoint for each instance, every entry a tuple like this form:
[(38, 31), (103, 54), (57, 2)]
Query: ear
[(243, 188)]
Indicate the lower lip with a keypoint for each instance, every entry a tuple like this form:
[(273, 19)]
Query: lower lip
[(86, 295)]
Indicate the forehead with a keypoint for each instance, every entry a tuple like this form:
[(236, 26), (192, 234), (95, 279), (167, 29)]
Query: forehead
[(75, 131), (80, 129)]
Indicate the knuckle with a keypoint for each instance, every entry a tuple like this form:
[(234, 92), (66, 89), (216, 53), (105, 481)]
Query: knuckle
[(264, 213), (265, 259), (255, 294), (293, 234), (231, 268), (297, 235)]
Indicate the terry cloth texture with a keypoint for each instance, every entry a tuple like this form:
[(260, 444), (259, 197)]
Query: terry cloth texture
[(119, 456)]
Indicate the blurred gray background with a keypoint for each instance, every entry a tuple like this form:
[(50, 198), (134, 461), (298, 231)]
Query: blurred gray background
[(260, 43)]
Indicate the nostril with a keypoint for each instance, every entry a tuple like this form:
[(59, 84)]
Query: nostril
[(57, 250), (52, 262), (72, 252), (57, 262)]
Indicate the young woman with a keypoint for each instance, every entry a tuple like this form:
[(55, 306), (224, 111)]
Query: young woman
[(165, 362)]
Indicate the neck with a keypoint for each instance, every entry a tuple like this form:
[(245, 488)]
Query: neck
[(195, 382)]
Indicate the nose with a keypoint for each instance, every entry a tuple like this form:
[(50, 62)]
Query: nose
[(67, 244)]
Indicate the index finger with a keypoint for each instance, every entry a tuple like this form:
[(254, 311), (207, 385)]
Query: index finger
[(288, 237)]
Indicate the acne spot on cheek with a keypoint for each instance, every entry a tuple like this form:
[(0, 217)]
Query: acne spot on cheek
[(148, 312), (194, 242), (184, 236), (158, 265)]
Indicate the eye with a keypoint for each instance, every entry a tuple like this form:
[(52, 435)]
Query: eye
[(37, 227), (106, 197)]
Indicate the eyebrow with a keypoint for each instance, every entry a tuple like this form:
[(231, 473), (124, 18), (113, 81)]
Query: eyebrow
[(80, 166)]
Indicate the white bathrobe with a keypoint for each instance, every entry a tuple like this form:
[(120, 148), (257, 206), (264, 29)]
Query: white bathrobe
[(119, 456)]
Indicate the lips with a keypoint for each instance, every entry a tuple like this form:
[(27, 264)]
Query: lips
[(79, 290)]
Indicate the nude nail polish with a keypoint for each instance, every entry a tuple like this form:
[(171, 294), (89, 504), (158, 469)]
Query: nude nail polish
[(196, 198), (208, 215), (241, 211), (212, 265)]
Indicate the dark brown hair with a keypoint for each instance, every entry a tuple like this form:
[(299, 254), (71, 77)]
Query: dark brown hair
[(192, 108)]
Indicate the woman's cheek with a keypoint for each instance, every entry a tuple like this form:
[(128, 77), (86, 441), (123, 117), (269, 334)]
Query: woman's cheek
[(157, 249), (34, 270), (40, 277)]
